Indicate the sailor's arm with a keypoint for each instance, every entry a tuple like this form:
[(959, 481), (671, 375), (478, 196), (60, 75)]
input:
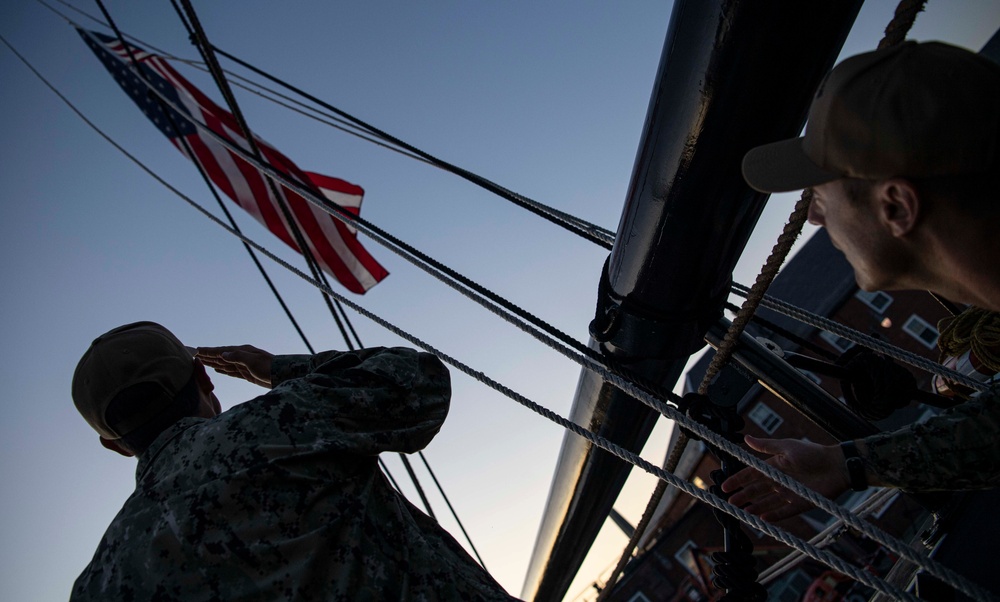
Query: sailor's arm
[(365, 401)]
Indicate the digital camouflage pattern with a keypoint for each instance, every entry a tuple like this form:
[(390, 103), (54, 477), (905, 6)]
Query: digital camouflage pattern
[(957, 449), (281, 497)]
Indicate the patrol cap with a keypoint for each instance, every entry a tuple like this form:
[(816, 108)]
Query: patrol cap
[(910, 110), (142, 352)]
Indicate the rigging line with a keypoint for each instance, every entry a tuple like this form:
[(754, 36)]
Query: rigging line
[(409, 468), (631, 388), (601, 233), (855, 336), (596, 439), (451, 508), (930, 565), (435, 268), (515, 198), (895, 32), (350, 326), (200, 40), (895, 545), (781, 331), (391, 242), (722, 356), (187, 150), (206, 49), (880, 498), (420, 490), (385, 469)]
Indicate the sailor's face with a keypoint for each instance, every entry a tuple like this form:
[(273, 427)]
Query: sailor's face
[(854, 228)]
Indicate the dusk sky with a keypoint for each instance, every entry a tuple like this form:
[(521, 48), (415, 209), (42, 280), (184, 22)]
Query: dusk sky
[(546, 98)]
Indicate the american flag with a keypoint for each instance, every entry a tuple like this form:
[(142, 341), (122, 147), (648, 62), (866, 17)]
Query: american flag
[(333, 244)]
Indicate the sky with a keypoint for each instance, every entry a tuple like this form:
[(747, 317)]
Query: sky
[(546, 98)]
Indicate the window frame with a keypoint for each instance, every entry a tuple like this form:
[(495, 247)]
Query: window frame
[(916, 319), (762, 407), (868, 298)]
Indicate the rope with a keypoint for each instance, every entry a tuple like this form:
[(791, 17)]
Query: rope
[(894, 545), (895, 32), (467, 175), (601, 235), (881, 497), (467, 287), (623, 454), (451, 508), (787, 334), (902, 21), (628, 387), (860, 338), (767, 274), (200, 41), (974, 329), (205, 178)]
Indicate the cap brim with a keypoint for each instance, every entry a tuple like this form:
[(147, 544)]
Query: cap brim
[(782, 167)]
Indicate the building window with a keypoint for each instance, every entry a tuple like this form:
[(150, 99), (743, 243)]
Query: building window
[(687, 556), (919, 329), (638, 597), (765, 418), (839, 343), (878, 300)]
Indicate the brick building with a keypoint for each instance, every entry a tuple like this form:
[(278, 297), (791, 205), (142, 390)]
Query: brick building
[(674, 557)]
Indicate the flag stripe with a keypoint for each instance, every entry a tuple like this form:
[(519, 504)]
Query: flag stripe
[(332, 243)]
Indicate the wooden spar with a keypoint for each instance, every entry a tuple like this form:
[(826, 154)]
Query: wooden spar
[(733, 74)]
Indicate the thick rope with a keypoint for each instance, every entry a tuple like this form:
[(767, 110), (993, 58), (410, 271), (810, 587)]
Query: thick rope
[(974, 329), (892, 544), (782, 247), (895, 32), (902, 21)]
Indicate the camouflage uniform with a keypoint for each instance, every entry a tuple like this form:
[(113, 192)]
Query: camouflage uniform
[(281, 498), (958, 449)]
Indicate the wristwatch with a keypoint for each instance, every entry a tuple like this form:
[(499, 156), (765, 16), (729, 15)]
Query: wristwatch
[(855, 466)]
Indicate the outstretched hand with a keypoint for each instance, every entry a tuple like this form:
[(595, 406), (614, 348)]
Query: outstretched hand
[(818, 467), (245, 361)]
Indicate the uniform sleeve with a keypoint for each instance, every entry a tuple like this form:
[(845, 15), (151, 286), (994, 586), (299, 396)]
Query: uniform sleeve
[(956, 450), (364, 402)]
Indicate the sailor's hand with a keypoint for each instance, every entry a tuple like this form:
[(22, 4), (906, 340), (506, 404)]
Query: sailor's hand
[(818, 467), (245, 361)]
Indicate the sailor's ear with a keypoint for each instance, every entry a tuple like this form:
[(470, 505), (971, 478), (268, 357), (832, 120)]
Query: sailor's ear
[(116, 447), (898, 205)]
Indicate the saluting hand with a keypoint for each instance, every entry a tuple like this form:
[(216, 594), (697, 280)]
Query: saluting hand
[(244, 361), (818, 467)]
